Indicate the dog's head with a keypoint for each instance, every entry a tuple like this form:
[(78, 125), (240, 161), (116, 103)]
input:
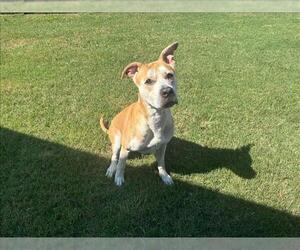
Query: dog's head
[(156, 80)]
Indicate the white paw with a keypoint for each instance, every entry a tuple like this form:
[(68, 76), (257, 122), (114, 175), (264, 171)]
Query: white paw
[(167, 179), (119, 180), (110, 171)]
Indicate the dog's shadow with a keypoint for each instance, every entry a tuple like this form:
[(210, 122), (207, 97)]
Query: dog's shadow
[(187, 157), (53, 190)]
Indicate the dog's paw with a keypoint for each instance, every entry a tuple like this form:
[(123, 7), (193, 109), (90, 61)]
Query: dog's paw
[(167, 179), (119, 180), (110, 171)]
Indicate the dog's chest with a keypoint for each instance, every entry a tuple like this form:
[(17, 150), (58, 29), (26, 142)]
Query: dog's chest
[(157, 131)]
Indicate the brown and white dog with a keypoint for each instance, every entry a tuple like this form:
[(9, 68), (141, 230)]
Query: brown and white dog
[(145, 126)]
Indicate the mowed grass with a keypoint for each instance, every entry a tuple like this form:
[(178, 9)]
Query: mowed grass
[(235, 158)]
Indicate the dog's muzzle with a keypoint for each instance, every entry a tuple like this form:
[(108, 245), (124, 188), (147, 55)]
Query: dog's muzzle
[(168, 97), (170, 103)]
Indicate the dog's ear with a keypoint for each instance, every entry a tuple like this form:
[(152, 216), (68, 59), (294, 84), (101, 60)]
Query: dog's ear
[(167, 55), (130, 69)]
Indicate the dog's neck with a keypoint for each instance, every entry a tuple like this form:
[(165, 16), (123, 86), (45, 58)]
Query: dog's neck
[(154, 115), (156, 120)]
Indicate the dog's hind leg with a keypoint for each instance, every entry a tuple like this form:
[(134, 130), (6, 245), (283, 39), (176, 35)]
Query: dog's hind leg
[(116, 147)]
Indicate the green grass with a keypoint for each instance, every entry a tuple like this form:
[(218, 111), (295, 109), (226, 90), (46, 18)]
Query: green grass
[(235, 156)]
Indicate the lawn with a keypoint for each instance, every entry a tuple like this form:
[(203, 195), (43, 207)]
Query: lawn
[(235, 157)]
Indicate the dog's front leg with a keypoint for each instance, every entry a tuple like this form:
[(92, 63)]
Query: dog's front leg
[(160, 158), (116, 147), (119, 177), (154, 141)]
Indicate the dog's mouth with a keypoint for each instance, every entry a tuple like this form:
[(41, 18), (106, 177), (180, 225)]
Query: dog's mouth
[(171, 103)]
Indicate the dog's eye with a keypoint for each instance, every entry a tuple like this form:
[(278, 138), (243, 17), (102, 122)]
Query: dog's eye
[(148, 81), (169, 76)]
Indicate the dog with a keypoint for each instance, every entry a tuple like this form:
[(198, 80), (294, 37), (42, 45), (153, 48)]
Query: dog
[(145, 126)]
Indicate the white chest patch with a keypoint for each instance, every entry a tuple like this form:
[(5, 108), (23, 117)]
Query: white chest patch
[(158, 130)]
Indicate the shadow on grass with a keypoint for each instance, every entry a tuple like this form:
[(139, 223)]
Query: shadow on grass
[(49, 189), (186, 157)]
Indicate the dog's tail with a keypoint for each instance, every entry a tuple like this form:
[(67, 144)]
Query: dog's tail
[(104, 125)]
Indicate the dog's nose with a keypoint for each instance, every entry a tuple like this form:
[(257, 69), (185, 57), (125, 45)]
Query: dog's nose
[(166, 92)]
